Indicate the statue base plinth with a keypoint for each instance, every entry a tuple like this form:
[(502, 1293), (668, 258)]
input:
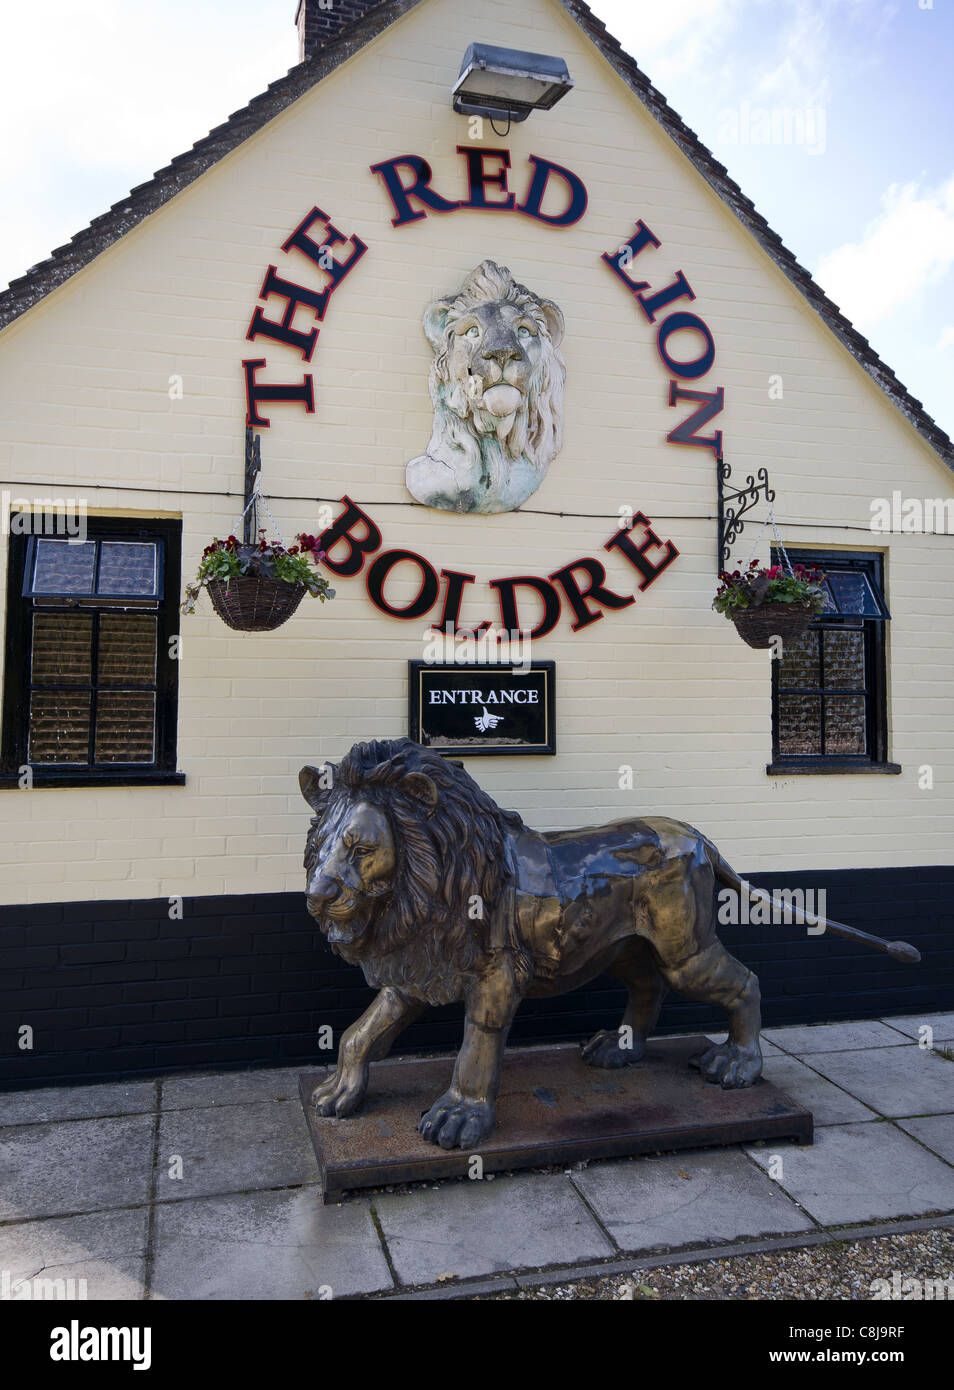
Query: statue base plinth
[(552, 1109)]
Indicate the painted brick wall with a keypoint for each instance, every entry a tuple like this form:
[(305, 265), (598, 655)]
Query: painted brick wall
[(118, 989), (664, 687)]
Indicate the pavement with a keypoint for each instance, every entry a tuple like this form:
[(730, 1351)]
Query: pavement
[(206, 1186)]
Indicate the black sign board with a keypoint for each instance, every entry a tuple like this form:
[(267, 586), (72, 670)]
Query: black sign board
[(478, 710)]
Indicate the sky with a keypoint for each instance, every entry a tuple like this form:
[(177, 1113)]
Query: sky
[(835, 116)]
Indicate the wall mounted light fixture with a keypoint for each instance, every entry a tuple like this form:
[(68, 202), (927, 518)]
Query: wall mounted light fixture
[(507, 83)]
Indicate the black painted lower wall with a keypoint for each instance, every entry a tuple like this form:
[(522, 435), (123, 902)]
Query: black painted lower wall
[(117, 989)]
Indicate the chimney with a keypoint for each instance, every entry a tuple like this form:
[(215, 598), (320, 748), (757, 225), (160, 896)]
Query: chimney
[(321, 20)]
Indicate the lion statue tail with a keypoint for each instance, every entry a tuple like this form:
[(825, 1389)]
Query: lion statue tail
[(725, 874)]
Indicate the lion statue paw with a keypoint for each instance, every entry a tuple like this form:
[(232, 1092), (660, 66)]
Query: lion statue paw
[(730, 1065), (338, 1096), (454, 1122), (605, 1049)]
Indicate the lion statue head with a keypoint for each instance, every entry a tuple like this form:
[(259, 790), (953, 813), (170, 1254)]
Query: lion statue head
[(405, 862), (497, 386)]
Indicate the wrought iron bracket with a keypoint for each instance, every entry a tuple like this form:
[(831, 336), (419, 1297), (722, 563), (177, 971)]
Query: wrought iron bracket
[(253, 466), (734, 503)]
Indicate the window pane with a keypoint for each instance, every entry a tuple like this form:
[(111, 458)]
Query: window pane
[(799, 726), (800, 665), (127, 649), (845, 659), (59, 726), (127, 567), (854, 595), (62, 648), (845, 732), (125, 726), (62, 568)]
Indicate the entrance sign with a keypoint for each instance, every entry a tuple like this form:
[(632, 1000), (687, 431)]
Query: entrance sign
[(482, 710)]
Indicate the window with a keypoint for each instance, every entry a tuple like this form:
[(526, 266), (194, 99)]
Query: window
[(829, 711), (90, 687)]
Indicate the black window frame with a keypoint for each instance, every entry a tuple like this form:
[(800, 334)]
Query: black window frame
[(871, 564), (21, 604)]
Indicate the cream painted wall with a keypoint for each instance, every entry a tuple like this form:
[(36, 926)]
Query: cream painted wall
[(665, 686)]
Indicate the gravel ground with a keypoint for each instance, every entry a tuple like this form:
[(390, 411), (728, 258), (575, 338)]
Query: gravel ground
[(842, 1270)]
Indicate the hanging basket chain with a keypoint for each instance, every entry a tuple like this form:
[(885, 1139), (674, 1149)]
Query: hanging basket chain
[(253, 502), (770, 521)]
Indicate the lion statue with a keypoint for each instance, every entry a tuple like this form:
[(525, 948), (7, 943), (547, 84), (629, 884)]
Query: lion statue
[(415, 874), (497, 386)]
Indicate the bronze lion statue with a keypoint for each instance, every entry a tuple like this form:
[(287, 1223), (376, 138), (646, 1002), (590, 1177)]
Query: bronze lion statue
[(416, 875), (496, 383)]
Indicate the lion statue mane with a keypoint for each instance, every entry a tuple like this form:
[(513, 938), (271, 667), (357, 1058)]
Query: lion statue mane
[(425, 933), (496, 383)]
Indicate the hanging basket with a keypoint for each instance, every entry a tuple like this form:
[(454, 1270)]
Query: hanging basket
[(254, 603), (758, 625)]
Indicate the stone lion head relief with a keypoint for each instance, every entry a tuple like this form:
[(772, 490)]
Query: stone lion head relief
[(497, 386)]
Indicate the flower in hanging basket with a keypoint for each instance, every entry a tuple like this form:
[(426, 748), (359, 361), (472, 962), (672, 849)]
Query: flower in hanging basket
[(257, 586), (761, 584), (768, 601)]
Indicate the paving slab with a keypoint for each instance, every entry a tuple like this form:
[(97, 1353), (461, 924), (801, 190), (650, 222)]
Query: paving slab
[(100, 1256), (234, 1148), (75, 1166), (469, 1228), (934, 1131), (230, 1087), (895, 1081), (76, 1102), (660, 1203), (942, 1025), (828, 1103), (260, 1245), (833, 1037), (862, 1173)]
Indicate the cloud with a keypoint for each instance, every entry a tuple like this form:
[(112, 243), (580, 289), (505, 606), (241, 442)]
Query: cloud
[(98, 94), (811, 48), (671, 39), (800, 77), (908, 247), (946, 339)]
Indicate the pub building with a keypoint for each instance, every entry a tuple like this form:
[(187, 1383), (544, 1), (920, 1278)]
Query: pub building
[(462, 298)]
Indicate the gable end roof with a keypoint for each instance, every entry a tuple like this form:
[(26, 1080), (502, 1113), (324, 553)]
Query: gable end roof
[(104, 231)]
